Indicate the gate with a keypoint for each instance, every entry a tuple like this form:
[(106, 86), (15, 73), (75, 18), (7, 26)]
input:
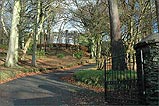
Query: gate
[(121, 85)]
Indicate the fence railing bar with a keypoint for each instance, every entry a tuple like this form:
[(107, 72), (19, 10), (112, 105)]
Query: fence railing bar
[(105, 78), (121, 84)]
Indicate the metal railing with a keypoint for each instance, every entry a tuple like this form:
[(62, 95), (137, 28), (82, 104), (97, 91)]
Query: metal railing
[(121, 85)]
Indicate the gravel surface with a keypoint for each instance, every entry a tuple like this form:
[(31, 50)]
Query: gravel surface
[(48, 90)]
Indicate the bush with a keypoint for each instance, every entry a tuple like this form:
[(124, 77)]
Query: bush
[(41, 53), (78, 54), (90, 77), (60, 55), (96, 78), (34, 70)]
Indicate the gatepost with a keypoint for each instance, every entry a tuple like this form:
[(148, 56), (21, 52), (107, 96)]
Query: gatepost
[(147, 57)]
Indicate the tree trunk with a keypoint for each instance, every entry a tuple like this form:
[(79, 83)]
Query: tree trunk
[(27, 44), (1, 5), (40, 29), (66, 39), (0, 21), (21, 30), (3, 24), (34, 46), (157, 12), (92, 48), (117, 50), (12, 54), (36, 34), (48, 38), (98, 51), (74, 37)]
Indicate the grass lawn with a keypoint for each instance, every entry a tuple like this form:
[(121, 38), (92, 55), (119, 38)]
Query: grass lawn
[(94, 79)]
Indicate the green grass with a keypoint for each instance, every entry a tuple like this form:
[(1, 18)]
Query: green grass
[(4, 46), (4, 75), (120, 75), (9, 74), (40, 53), (60, 55), (96, 77), (78, 54), (30, 70)]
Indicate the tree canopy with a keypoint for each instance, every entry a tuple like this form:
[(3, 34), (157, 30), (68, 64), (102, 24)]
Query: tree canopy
[(93, 19)]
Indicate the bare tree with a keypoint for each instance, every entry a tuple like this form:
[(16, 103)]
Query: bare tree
[(36, 33), (157, 12), (12, 54), (0, 18), (92, 16)]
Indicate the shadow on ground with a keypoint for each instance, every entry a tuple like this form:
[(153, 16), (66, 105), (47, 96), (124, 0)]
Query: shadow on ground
[(48, 90)]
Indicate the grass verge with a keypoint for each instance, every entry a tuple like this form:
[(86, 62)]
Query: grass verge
[(96, 77), (11, 74), (90, 77), (8, 74)]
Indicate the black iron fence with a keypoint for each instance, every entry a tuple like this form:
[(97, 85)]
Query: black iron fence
[(121, 85), (135, 85)]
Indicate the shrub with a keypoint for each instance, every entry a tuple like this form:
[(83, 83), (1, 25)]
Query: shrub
[(96, 78), (60, 55), (41, 53), (78, 54), (34, 70), (90, 77)]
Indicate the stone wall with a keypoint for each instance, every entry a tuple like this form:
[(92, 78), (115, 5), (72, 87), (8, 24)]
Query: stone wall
[(147, 52)]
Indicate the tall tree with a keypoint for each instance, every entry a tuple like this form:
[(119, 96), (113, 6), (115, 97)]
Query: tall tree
[(0, 17), (12, 54), (92, 16), (36, 33), (157, 12), (0, 8), (3, 26), (117, 47)]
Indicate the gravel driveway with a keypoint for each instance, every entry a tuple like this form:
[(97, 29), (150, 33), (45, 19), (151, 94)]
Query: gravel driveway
[(48, 90)]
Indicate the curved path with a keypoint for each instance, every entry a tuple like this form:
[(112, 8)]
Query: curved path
[(48, 90)]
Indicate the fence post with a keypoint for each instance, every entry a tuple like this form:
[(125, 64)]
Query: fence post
[(105, 88), (148, 69)]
